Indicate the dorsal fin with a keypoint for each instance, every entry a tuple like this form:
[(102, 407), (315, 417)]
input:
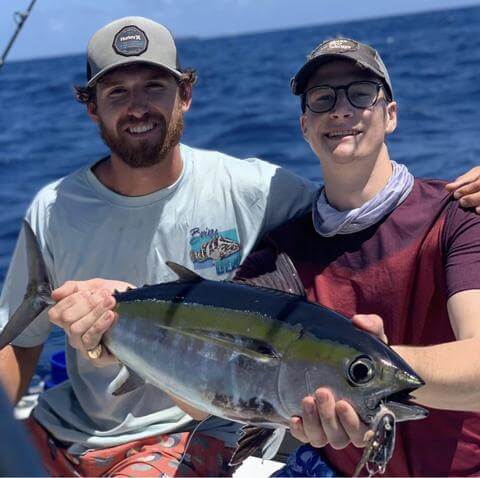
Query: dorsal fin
[(283, 277), (183, 273)]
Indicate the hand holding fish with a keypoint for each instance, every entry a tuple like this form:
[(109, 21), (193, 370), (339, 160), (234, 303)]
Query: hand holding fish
[(327, 421), (84, 311)]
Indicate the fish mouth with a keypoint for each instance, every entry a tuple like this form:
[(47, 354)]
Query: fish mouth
[(401, 404)]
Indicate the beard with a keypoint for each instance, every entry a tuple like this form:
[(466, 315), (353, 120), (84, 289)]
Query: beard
[(147, 152)]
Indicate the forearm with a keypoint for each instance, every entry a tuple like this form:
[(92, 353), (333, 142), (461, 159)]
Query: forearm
[(17, 366), (451, 372)]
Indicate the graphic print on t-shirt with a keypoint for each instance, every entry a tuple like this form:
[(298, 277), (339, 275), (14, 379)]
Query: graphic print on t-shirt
[(209, 248)]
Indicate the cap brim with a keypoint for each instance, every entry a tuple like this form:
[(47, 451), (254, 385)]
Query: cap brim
[(126, 61), (300, 80)]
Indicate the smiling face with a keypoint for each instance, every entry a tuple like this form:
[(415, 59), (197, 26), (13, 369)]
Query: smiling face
[(346, 133), (140, 113)]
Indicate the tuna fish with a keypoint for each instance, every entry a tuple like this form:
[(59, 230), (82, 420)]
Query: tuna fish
[(246, 352)]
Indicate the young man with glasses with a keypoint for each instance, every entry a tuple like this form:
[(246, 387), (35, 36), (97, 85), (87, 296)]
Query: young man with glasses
[(382, 242)]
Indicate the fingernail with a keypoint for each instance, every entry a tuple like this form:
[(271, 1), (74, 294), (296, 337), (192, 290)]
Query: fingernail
[(320, 398), (107, 301), (309, 408), (457, 194), (108, 316)]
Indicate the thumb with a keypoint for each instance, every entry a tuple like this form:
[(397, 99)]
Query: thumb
[(371, 323)]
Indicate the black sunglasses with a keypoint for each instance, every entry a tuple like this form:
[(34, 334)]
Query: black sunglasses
[(360, 94)]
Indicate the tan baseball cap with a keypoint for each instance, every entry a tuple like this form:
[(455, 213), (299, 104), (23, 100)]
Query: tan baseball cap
[(131, 40), (363, 54)]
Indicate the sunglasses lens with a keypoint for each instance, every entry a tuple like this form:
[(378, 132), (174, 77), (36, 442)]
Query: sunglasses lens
[(362, 94), (321, 99)]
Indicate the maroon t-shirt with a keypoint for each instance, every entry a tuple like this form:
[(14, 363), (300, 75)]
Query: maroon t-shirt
[(404, 269)]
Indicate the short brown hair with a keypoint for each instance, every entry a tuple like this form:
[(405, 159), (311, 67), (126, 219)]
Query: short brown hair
[(87, 94)]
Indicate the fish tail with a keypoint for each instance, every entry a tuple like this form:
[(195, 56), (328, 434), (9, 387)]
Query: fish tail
[(37, 296)]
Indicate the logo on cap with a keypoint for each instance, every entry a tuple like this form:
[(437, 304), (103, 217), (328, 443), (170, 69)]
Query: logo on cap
[(130, 41), (335, 46)]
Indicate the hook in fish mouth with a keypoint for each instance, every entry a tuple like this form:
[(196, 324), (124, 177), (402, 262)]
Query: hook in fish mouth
[(400, 403)]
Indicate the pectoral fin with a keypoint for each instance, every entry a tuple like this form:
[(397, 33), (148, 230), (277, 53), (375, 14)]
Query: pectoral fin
[(126, 381)]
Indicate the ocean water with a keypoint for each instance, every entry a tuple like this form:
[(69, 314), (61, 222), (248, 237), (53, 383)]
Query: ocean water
[(242, 105)]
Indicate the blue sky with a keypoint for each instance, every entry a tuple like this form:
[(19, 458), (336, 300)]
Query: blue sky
[(58, 27)]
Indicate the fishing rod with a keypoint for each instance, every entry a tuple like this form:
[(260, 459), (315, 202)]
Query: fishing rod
[(19, 18)]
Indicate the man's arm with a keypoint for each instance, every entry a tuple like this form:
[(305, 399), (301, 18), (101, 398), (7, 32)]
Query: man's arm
[(17, 366), (451, 370)]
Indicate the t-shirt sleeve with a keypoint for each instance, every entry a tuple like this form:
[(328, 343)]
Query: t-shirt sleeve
[(16, 282), (461, 247), (287, 196), (284, 195)]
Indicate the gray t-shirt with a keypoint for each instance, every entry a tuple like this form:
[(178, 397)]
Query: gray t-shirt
[(209, 221)]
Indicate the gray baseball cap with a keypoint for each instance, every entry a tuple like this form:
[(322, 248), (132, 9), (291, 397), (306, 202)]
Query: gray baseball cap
[(364, 55), (131, 40)]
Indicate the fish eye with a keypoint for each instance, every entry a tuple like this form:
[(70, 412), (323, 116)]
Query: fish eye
[(361, 370)]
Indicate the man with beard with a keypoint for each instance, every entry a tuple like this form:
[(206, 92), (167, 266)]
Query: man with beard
[(149, 201)]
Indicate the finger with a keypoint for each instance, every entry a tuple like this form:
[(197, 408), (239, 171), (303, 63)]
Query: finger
[(73, 307), (71, 287), (470, 200), (464, 179), (333, 429), (92, 337), (470, 188), (296, 429), (351, 423), (85, 333), (371, 323), (56, 313), (312, 426), (68, 288)]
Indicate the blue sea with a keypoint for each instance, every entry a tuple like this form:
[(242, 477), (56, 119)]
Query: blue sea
[(243, 106)]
